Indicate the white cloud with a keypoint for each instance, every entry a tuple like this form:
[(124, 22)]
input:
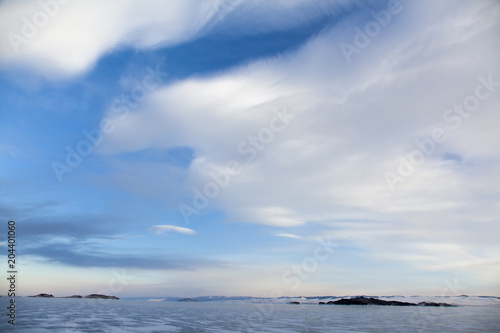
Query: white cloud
[(65, 38), (288, 236), (76, 35), (159, 229), (352, 123)]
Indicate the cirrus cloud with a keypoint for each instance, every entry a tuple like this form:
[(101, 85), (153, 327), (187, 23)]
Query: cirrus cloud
[(288, 236), (159, 229), (353, 123)]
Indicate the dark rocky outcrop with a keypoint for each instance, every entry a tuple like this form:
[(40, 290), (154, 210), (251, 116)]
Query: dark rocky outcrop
[(368, 301), (434, 304), (187, 300), (43, 295), (100, 296), (375, 301), (321, 303), (77, 296), (296, 303)]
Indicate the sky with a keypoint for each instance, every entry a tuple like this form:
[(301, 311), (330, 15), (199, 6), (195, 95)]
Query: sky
[(248, 147)]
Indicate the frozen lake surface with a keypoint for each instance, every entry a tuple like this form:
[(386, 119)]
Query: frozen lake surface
[(82, 315)]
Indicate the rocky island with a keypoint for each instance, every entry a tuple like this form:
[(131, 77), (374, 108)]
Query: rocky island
[(43, 295), (375, 301), (95, 296), (100, 296)]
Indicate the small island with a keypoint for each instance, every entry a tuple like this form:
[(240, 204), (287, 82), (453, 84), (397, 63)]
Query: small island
[(92, 296), (296, 303), (100, 296), (187, 300), (43, 295)]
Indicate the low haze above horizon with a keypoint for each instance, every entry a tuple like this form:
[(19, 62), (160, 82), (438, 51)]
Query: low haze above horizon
[(251, 148)]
